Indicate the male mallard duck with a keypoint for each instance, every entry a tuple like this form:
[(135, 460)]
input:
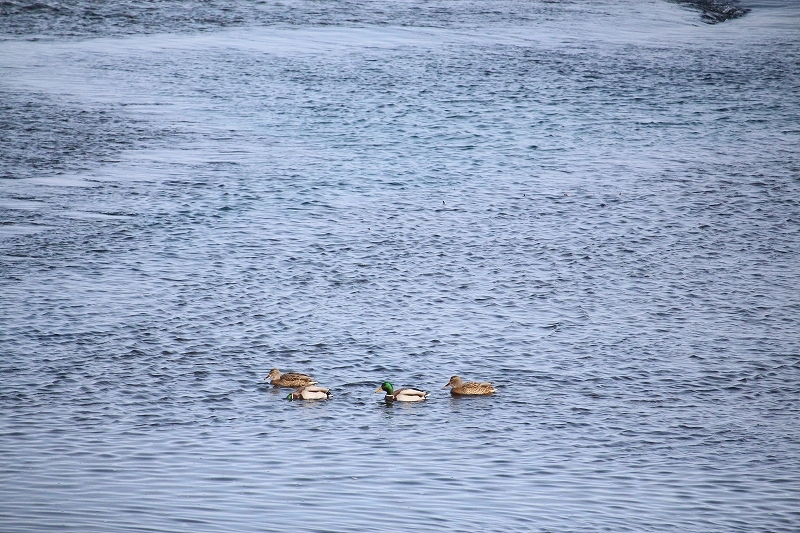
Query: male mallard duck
[(309, 393), (290, 379), (401, 395), (470, 388)]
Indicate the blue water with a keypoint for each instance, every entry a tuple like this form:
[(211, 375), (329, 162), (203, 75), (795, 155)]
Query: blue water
[(593, 205)]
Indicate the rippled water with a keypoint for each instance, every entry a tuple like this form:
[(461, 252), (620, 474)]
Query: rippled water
[(594, 205)]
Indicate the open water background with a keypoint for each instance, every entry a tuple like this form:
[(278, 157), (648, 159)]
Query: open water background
[(595, 205)]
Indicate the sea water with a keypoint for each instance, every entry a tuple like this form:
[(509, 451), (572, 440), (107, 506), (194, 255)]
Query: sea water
[(593, 205)]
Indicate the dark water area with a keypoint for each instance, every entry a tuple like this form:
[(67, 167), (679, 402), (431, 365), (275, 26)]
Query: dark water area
[(27, 18), (714, 11), (594, 205)]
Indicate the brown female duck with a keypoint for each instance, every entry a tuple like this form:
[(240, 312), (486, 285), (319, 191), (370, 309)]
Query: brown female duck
[(470, 388), (290, 379)]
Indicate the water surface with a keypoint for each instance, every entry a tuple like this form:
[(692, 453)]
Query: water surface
[(593, 205)]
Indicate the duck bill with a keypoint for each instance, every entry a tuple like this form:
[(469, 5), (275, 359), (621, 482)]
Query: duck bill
[(379, 389)]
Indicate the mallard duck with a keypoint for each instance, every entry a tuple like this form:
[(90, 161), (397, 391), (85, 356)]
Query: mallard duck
[(309, 393), (470, 388), (290, 379), (401, 395)]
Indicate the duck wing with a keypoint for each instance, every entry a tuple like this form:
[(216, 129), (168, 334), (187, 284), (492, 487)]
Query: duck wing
[(475, 388), (314, 393), (313, 388), (295, 376), (293, 379), (411, 393)]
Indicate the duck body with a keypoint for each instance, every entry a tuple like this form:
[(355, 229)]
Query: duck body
[(292, 380), (401, 395), (470, 388), (309, 393)]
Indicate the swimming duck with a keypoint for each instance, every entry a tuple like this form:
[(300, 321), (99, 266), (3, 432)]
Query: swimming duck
[(309, 393), (401, 395), (470, 388), (290, 379)]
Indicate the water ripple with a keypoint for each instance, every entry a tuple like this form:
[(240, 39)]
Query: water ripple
[(592, 206)]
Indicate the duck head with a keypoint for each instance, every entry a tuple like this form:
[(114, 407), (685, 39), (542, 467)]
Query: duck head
[(386, 387), (454, 382)]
